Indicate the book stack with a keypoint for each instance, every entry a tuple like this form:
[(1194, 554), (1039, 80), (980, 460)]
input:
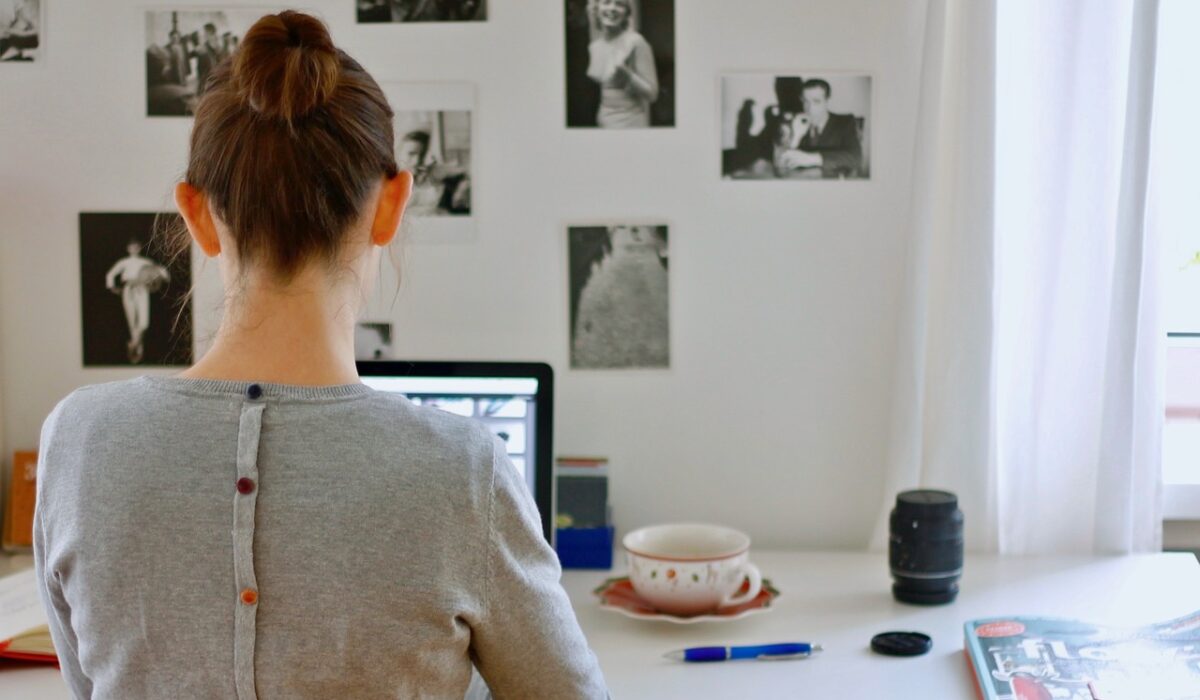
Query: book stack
[(18, 507), (583, 516)]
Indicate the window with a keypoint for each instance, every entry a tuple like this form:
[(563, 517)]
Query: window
[(1174, 210)]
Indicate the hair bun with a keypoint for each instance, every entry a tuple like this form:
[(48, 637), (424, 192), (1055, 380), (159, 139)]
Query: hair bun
[(286, 65)]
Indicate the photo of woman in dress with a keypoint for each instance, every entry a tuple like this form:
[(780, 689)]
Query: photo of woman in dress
[(619, 65), (134, 278), (623, 64)]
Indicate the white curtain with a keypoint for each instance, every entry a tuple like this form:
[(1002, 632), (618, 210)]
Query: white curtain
[(1078, 348), (942, 395), (1027, 377)]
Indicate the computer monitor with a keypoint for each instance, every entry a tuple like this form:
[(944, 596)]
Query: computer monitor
[(513, 399)]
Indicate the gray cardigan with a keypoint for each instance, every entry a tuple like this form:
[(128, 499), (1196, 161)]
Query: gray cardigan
[(210, 539)]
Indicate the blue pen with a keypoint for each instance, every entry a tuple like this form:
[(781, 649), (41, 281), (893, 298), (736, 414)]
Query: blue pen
[(760, 652)]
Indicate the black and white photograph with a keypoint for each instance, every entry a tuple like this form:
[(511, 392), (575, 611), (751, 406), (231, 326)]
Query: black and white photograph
[(20, 30), (619, 312), (620, 63), (182, 49), (373, 340), (435, 146), (434, 136), (380, 11), (811, 126), (136, 308)]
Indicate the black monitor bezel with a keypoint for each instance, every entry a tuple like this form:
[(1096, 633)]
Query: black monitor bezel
[(543, 421)]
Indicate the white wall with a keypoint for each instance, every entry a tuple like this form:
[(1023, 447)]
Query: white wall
[(784, 303)]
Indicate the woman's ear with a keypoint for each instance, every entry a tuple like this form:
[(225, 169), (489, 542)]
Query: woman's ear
[(393, 198), (193, 207)]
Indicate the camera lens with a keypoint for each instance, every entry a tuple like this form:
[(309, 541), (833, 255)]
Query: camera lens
[(925, 549)]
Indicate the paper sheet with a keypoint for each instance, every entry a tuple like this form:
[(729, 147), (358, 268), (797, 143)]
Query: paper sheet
[(20, 606)]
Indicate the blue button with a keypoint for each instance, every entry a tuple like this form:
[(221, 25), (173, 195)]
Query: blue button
[(254, 392)]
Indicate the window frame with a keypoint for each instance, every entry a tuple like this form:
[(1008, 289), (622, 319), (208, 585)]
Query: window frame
[(1180, 501)]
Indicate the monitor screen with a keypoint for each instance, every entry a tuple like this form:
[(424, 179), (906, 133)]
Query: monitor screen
[(511, 399)]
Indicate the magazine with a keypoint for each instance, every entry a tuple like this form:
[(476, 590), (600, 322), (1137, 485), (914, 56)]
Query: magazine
[(1039, 658)]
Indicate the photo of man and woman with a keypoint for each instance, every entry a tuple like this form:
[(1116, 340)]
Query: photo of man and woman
[(371, 11), (620, 63), (795, 128), (182, 49), (20, 24)]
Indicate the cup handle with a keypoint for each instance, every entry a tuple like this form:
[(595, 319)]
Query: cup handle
[(751, 571)]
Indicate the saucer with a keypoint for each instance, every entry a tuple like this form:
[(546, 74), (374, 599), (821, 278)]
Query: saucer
[(617, 594)]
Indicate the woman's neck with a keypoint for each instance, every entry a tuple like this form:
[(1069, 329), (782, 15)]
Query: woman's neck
[(301, 335), (611, 33)]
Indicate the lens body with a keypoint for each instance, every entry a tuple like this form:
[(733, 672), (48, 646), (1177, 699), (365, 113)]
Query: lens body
[(925, 549)]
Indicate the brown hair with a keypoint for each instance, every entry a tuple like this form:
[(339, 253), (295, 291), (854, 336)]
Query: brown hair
[(290, 138)]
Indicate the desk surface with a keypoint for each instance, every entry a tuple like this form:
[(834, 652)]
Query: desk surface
[(839, 600)]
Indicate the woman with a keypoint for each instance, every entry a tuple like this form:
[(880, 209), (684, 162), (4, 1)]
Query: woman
[(622, 62), (134, 277), (377, 549)]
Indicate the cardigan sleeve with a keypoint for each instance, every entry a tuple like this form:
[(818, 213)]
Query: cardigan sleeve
[(527, 642), (58, 612)]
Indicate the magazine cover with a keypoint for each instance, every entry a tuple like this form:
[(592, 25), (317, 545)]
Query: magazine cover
[(1038, 658)]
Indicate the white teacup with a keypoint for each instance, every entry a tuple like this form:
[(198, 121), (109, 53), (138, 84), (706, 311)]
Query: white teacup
[(690, 568)]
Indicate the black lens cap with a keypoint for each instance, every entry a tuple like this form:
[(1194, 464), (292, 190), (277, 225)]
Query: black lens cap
[(901, 643)]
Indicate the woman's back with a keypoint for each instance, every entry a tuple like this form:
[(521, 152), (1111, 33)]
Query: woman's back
[(213, 535), (205, 538)]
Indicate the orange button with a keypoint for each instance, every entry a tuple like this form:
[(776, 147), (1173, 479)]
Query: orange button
[(249, 596)]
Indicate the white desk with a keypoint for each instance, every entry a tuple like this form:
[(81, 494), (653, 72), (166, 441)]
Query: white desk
[(839, 600)]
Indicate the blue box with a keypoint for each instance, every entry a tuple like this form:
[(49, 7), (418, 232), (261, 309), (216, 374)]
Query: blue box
[(585, 547)]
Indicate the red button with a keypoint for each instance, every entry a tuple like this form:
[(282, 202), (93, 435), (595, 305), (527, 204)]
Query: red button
[(245, 485), (249, 596)]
